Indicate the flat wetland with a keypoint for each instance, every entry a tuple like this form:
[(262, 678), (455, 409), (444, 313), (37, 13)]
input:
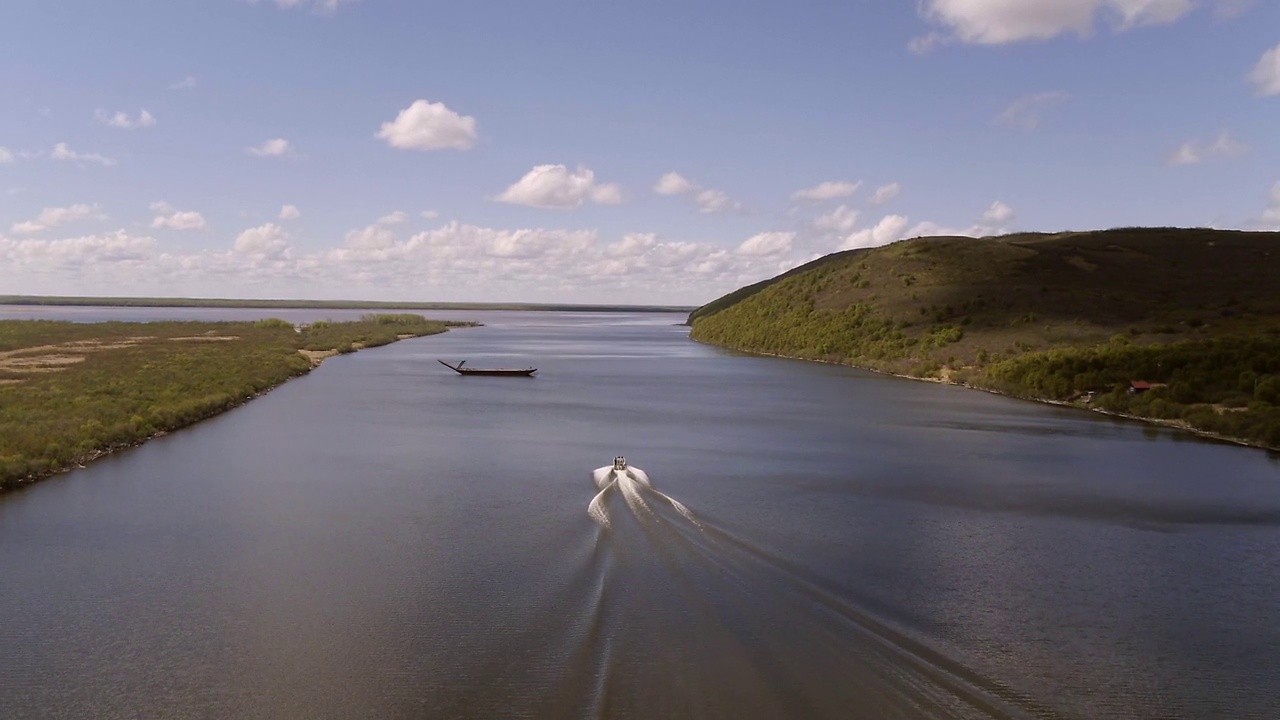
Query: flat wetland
[(73, 392)]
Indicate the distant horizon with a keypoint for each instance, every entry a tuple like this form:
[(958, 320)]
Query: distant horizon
[(328, 304), (659, 153)]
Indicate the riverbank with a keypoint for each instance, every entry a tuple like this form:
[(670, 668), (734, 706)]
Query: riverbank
[(946, 378), (71, 393), (277, 304)]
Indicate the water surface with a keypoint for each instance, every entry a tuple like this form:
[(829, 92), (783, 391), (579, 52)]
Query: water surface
[(384, 538)]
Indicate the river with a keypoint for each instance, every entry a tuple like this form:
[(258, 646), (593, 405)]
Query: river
[(385, 539)]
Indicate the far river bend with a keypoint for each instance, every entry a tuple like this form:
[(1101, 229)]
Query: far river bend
[(386, 539)]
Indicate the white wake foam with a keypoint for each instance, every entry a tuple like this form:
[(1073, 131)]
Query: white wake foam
[(633, 483)]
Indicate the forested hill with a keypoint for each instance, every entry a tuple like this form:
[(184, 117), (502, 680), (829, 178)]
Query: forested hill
[(1051, 316)]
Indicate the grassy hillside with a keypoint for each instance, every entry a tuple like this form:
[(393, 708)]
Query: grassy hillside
[(1049, 316), (70, 392)]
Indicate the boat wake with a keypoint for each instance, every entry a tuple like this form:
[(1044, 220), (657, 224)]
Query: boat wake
[(633, 483), (748, 632)]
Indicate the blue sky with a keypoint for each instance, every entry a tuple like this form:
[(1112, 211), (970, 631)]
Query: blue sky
[(660, 152)]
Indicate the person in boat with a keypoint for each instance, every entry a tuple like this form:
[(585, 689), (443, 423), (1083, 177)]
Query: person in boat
[(619, 463)]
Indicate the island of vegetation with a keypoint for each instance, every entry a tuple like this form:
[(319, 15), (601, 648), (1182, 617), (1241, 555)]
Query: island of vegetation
[(1176, 326), (74, 301), (72, 392)]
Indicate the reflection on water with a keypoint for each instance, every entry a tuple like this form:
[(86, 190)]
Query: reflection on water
[(385, 538)]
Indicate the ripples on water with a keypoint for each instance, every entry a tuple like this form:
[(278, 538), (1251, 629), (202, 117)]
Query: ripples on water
[(380, 539)]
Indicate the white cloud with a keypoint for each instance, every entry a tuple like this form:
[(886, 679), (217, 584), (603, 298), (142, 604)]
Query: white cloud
[(708, 200), (826, 191), (289, 212), (889, 229), (713, 201), (996, 22), (607, 194), (122, 121), (1027, 111), (886, 193), (841, 220), (52, 217), (186, 83), (767, 244), (269, 241), (63, 152), (377, 235), (555, 186), (995, 221), (429, 126), (171, 217), (86, 254), (429, 214), (1266, 74), (998, 214), (275, 147), (6, 155), (673, 184), (1193, 152), (454, 261)]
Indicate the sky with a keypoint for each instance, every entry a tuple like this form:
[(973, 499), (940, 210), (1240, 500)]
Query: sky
[(664, 152)]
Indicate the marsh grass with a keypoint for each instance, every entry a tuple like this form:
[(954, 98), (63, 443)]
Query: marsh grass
[(70, 392)]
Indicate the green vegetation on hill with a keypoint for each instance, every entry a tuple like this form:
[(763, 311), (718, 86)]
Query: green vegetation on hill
[(70, 392), (1045, 316)]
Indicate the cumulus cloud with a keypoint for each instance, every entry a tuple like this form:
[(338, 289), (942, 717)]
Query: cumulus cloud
[(892, 228), (289, 212), (52, 217), (1027, 111), (87, 254), (1266, 74), (888, 229), (996, 22), (673, 184), (994, 221), (708, 200), (64, 153), (426, 125), (885, 193), (269, 240), (122, 120), (275, 147), (378, 234), (841, 220), (767, 244), (1194, 152), (186, 83), (171, 217), (713, 201), (998, 215), (828, 190), (555, 186)]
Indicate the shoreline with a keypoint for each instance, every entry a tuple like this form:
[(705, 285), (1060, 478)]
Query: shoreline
[(315, 357), (1159, 422)]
